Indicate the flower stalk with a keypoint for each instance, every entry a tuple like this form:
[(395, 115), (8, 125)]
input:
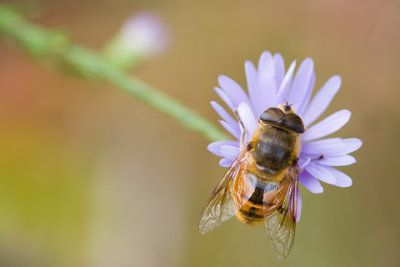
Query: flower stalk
[(56, 50)]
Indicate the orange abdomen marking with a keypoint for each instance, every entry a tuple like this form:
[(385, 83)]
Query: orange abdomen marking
[(255, 198)]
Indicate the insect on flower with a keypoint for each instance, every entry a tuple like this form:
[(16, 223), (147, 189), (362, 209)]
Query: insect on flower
[(274, 151)]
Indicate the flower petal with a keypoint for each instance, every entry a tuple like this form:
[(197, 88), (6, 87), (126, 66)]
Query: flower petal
[(300, 86), (327, 126), (248, 119), (303, 162), (279, 68), (233, 90), (337, 161), (266, 81), (330, 147), (235, 133), (253, 87), (224, 97), (321, 100), (310, 182), (266, 65), (299, 205), (342, 179), (225, 116), (285, 85), (321, 173), (216, 146), (230, 152), (226, 162), (302, 106)]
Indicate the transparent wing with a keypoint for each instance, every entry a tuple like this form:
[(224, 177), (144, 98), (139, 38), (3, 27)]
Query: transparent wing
[(281, 226), (220, 206)]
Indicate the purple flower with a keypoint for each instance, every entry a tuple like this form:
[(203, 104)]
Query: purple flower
[(145, 34), (269, 86), (142, 36)]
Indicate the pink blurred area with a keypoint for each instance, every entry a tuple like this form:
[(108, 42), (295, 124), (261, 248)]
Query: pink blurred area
[(90, 176)]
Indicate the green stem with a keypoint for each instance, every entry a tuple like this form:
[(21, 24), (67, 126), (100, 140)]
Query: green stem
[(54, 47)]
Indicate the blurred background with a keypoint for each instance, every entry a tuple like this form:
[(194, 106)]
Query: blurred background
[(90, 176)]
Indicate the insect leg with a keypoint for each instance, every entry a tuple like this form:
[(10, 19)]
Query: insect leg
[(302, 167), (242, 125)]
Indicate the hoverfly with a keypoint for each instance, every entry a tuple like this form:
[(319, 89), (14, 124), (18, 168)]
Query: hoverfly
[(261, 184)]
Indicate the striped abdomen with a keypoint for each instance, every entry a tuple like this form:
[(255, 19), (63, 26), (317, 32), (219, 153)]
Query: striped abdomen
[(256, 199)]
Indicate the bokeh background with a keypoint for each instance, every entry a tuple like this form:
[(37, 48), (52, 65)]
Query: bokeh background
[(90, 176)]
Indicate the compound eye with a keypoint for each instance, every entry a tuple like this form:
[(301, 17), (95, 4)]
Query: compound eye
[(272, 115), (294, 122)]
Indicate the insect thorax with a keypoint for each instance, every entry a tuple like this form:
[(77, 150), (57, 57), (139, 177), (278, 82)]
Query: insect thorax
[(274, 149)]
